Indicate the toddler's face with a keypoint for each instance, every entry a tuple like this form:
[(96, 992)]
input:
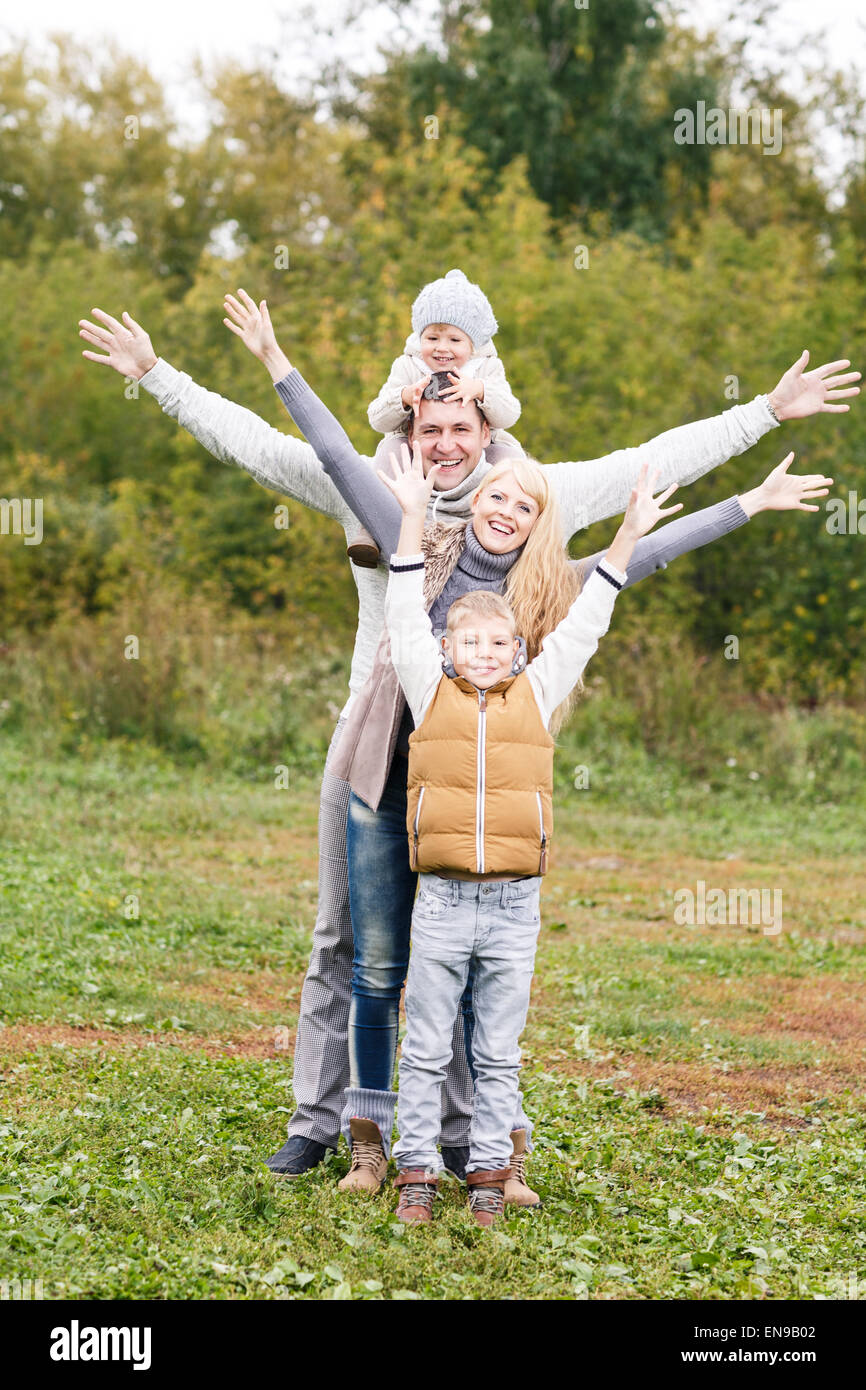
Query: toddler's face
[(482, 649), (445, 348)]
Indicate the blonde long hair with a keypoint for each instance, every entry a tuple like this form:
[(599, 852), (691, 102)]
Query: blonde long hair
[(542, 585)]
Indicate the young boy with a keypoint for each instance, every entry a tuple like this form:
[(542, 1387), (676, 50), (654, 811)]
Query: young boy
[(479, 821)]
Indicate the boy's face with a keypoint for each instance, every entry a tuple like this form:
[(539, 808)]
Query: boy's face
[(452, 435), (482, 649), (445, 348)]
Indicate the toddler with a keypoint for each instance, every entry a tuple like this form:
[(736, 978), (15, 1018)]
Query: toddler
[(452, 332)]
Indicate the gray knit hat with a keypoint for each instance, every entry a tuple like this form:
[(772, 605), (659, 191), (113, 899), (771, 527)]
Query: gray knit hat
[(454, 299)]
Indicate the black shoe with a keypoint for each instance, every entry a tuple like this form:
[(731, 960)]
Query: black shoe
[(455, 1161), (297, 1156)]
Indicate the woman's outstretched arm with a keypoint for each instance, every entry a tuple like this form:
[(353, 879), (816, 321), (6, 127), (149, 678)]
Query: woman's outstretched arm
[(364, 494), (780, 491)]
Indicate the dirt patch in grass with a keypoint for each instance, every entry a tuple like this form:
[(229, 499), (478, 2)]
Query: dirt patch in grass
[(829, 1010), (689, 1088), (261, 991), (607, 876), (20, 1038), (263, 867)]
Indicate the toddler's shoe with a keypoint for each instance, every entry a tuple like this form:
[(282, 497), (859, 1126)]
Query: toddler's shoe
[(369, 1164), (487, 1194), (418, 1189), (518, 1193), (363, 551)]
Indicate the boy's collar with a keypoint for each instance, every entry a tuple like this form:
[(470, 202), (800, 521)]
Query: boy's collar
[(464, 684)]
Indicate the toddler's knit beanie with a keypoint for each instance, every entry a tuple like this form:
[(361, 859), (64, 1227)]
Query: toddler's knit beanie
[(454, 299)]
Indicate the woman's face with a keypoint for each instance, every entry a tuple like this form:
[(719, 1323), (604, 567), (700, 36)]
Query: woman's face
[(503, 515)]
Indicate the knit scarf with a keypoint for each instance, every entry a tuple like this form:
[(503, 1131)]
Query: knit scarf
[(453, 501)]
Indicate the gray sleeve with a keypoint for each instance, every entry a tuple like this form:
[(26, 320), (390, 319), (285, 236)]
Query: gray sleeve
[(235, 435), (372, 502), (655, 551)]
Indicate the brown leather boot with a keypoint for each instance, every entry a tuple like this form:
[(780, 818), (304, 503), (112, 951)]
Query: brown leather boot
[(518, 1193), (487, 1194), (369, 1164), (363, 551), (417, 1196)]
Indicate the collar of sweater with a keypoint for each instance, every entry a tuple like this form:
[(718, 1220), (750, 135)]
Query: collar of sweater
[(499, 688), (479, 563), (454, 501)]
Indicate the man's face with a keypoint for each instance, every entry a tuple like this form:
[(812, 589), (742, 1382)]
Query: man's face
[(451, 435), (482, 649)]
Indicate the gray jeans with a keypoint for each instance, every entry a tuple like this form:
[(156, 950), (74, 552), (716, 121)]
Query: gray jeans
[(494, 925)]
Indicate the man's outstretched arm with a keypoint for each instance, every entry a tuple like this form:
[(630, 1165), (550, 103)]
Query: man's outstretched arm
[(601, 487), (228, 431)]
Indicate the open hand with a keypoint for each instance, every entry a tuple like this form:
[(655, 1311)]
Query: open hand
[(251, 323), (782, 491), (128, 347), (407, 481), (644, 510), (801, 393)]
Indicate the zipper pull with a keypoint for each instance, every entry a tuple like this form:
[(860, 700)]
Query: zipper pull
[(415, 852), (482, 699), (542, 867)]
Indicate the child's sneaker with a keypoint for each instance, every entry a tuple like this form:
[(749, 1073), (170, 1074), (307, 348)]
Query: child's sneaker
[(518, 1193), (419, 1189), (487, 1194), (369, 1164), (363, 551)]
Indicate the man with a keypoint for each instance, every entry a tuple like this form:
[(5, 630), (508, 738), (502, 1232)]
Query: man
[(452, 435)]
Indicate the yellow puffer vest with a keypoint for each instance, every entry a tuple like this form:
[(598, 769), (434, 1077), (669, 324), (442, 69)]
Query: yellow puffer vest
[(481, 782)]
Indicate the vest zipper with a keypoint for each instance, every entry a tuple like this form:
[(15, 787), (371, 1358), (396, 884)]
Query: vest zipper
[(415, 828), (481, 772), (542, 864)]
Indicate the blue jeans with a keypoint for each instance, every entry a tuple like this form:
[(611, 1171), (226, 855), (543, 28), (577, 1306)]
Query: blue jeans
[(381, 894), (457, 924)]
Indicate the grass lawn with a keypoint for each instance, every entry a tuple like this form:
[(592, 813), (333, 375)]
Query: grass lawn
[(697, 1090)]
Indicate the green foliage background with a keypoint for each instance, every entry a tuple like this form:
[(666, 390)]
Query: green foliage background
[(705, 264)]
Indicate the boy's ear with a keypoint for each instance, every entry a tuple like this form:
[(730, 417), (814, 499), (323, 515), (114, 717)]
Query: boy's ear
[(520, 656), (447, 663)]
